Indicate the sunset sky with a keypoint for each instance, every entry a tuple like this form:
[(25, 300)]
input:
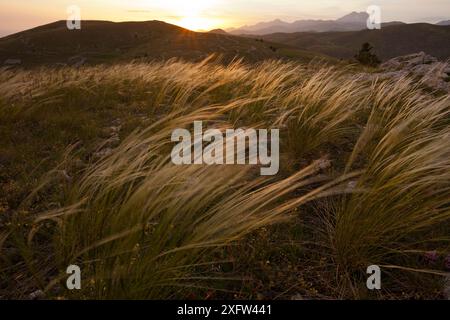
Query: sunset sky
[(19, 15)]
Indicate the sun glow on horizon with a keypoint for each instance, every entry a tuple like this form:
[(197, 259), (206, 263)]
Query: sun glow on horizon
[(205, 15), (196, 23), (191, 15)]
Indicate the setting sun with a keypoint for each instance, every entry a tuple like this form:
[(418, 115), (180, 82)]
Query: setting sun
[(190, 14), (196, 23)]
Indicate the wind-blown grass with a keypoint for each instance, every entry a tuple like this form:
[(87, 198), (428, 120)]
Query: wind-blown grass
[(373, 155), (403, 210)]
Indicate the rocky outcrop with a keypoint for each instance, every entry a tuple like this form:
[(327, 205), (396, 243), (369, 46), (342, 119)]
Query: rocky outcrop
[(427, 69), (409, 61)]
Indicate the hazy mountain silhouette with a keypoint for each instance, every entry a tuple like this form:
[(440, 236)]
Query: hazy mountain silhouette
[(391, 41), (354, 17), (351, 22), (444, 23), (218, 31)]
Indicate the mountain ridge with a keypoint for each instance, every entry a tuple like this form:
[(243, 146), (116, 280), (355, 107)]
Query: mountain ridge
[(388, 42), (352, 21)]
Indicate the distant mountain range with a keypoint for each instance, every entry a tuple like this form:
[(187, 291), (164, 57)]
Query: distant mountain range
[(388, 42), (444, 23), (110, 42), (354, 21), (350, 22)]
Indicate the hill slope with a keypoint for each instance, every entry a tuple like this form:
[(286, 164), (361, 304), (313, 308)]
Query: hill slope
[(390, 41), (102, 41), (218, 31)]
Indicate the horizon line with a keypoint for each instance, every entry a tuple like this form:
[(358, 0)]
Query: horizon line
[(5, 33)]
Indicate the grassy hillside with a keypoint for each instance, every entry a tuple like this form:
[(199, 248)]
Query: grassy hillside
[(391, 41), (86, 178), (109, 42)]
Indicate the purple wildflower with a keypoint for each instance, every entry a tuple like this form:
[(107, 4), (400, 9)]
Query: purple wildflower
[(447, 262), (431, 257)]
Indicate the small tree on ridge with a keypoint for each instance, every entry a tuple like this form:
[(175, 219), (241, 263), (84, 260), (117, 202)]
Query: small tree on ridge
[(366, 57)]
